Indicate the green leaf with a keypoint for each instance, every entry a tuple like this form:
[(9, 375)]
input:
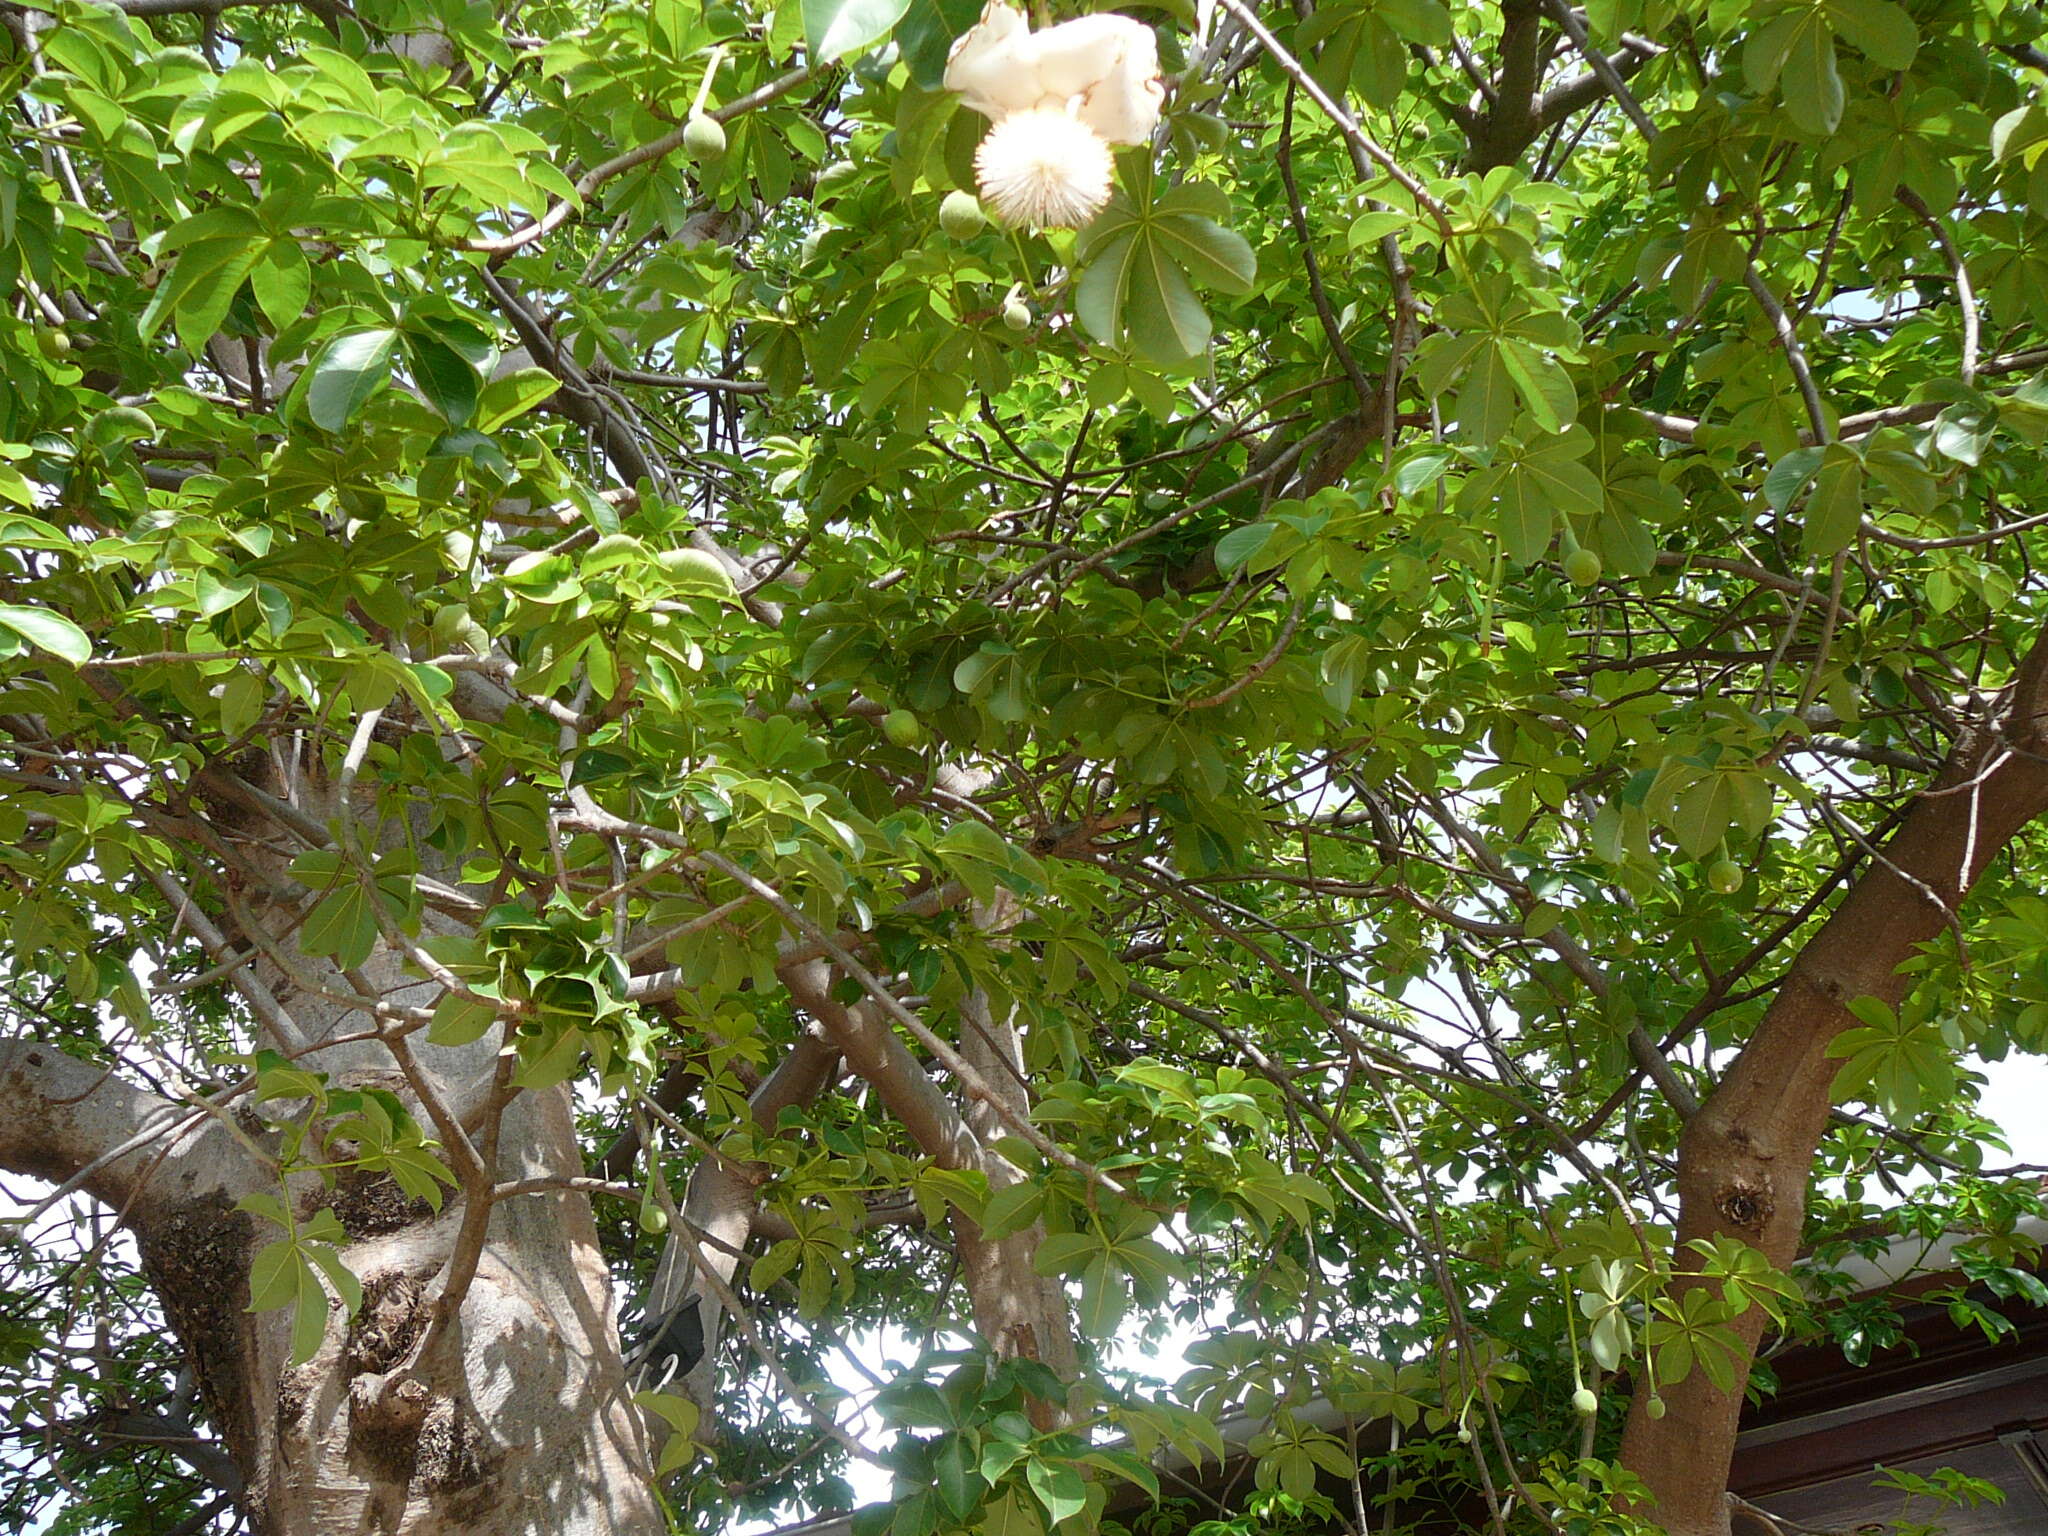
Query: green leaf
[(955, 1476), (1704, 813), (241, 702), (835, 28), (216, 250), (47, 632), (1419, 21), (1811, 83), (309, 1317), (273, 1276), (459, 1020), (324, 1257), (1834, 511), (926, 33), (349, 370), (1013, 1208), (1880, 28), (444, 376), (1059, 1488), (508, 398), (1545, 388), (1534, 488), (1609, 1340), (282, 282), (1105, 1298), (343, 923), (1011, 1515), (1141, 262), (1063, 1252), (1790, 475)]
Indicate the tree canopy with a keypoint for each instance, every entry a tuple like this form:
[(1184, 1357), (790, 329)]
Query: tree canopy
[(1375, 756)]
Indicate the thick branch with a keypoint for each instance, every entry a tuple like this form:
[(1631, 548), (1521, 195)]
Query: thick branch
[(63, 1119), (1017, 1311), (1581, 91), (873, 1051), (682, 1316), (1511, 122)]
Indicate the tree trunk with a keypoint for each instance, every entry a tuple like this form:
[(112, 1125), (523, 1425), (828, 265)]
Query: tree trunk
[(534, 1435), (1017, 1311), (537, 1434), (1746, 1157), (520, 1423), (684, 1312)]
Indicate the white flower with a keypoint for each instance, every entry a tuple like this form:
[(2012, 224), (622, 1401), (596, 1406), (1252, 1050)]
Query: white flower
[(1111, 63), (1123, 106), (1105, 68), (984, 66), (1043, 168), (1057, 100)]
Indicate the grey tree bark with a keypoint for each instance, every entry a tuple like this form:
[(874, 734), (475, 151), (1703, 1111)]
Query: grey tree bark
[(480, 1389)]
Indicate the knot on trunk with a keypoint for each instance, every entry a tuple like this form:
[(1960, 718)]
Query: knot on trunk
[(1744, 1205), (421, 1440), (385, 1409), (388, 1324), (400, 1427)]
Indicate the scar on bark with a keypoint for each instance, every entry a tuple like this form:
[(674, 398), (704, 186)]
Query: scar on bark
[(372, 1205), (197, 1258)]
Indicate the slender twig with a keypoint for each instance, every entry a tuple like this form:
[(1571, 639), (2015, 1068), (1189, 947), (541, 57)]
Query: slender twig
[(1262, 666), (1366, 144), (559, 213), (1966, 294), (1298, 216)]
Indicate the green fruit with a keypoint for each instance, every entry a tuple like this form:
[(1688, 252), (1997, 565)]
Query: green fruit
[(53, 344), (1464, 1435), (703, 138), (902, 728), (1724, 876), (831, 178), (696, 569), (653, 1219), (1584, 1403), (960, 216), (1582, 567), (454, 630), (1654, 1407), (1017, 315), (120, 423)]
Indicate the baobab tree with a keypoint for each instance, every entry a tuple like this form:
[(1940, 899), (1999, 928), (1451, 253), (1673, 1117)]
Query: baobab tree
[(1364, 675)]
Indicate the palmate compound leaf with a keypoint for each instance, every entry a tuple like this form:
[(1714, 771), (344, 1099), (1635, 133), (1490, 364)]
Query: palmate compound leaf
[(1530, 487), (1142, 260)]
